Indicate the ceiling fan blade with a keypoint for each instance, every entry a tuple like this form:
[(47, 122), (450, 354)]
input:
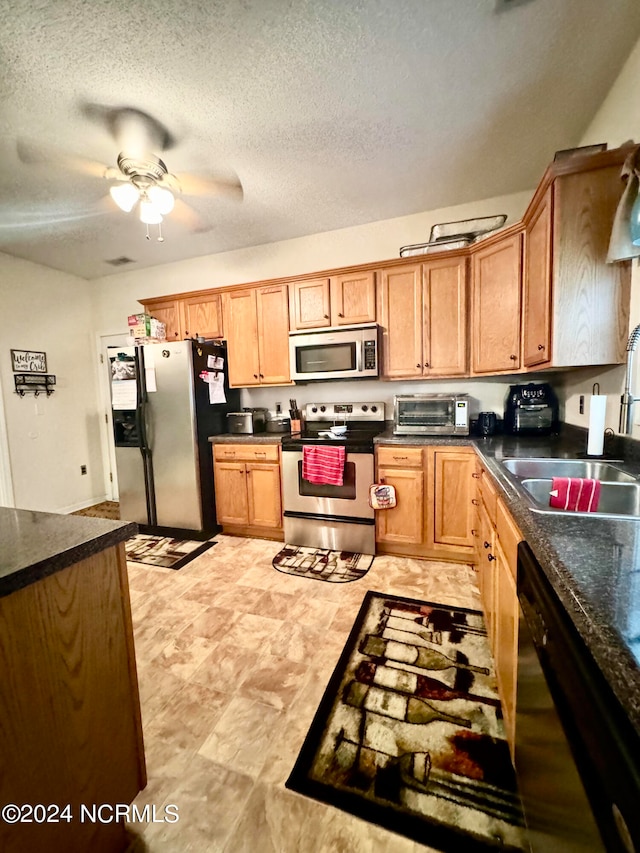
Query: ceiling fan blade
[(33, 154), (135, 131), (196, 185), (186, 215)]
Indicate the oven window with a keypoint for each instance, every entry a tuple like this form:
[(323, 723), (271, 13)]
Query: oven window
[(431, 413), (347, 491), (326, 358)]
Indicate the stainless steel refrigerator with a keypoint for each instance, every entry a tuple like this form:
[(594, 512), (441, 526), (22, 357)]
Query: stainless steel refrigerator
[(167, 400)]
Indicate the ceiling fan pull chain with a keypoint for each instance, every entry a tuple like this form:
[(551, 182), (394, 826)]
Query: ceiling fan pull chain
[(148, 237), (160, 237)]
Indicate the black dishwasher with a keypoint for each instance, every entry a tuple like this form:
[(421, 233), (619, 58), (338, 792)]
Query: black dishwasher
[(577, 755)]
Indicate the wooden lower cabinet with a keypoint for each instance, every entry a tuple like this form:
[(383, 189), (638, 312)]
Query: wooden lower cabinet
[(433, 516), (505, 643), (248, 489)]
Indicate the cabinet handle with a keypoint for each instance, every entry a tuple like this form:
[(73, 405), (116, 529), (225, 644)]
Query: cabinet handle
[(326, 316), (513, 357), (487, 544), (255, 375), (474, 532), (426, 364), (262, 376), (475, 501), (259, 454), (476, 475), (418, 365), (339, 315), (490, 557), (540, 346), (400, 458)]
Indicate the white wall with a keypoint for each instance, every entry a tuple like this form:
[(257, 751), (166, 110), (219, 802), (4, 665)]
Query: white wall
[(50, 438), (617, 121)]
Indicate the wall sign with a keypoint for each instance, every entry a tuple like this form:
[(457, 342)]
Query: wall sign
[(25, 361)]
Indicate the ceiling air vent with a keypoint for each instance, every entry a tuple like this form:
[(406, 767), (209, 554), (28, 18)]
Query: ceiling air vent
[(121, 261), (505, 5)]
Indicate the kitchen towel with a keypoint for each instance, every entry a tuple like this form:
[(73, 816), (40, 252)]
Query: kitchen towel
[(323, 465), (597, 415), (574, 493)]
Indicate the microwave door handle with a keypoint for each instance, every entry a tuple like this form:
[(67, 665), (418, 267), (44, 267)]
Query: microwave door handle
[(359, 355)]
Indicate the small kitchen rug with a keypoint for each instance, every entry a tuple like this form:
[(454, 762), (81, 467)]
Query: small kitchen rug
[(409, 732), (106, 509), (164, 551), (322, 565)]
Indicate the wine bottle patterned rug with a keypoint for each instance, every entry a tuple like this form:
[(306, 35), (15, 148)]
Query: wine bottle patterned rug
[(164, 551), (409, 733), (322, 564)]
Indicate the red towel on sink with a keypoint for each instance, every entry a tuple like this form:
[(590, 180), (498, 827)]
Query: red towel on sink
[(323, 465), (575, 494)]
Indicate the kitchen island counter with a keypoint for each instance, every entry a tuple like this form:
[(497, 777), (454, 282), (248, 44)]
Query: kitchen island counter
[(593, 563)]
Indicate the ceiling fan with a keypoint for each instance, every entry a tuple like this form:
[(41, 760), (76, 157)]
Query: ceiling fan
[(143, 180)]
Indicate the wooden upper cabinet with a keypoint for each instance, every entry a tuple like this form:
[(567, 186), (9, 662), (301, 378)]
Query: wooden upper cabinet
[(202, 316), (444, 301), (168, 311), (400, 313), (241, 325), (353, 298), (272, 305), (256, 323), (536, 313), (309, 304), (495, 317), (422, 309)]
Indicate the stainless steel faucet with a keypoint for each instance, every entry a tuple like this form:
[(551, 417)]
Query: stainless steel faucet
[(627, 400)]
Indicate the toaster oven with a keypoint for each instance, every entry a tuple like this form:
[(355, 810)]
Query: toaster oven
[(431, 414)]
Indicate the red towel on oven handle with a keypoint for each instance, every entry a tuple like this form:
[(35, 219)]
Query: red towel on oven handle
[(323, 465), (576, 494)]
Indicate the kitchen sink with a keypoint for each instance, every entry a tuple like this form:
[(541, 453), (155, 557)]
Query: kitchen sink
[(616, 499), (548, 468)]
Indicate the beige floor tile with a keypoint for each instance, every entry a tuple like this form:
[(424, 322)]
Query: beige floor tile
[(253, 632), (275, 682)]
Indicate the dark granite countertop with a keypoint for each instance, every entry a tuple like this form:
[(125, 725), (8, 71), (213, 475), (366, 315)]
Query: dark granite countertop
[(592, 563), (38, 544), (243, 438)]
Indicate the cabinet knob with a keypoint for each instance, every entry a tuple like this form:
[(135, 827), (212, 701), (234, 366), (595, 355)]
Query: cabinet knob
[(339, 315), (426, 364), (475, 501), (262, 376), (474, 532), (490, 557), (418, 365), (255, 375), (476, 475), (326, 316), (513, 357), (487, 544), (540, 346)]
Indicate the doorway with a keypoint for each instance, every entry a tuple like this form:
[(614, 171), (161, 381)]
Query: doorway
[(104, 384)]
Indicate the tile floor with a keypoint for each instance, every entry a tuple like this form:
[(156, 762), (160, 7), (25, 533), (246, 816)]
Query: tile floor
[(232, 654)]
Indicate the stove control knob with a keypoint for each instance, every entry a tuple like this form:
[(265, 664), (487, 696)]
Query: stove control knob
[(365, 408), (374, 408), (314, 409), (323, 408)]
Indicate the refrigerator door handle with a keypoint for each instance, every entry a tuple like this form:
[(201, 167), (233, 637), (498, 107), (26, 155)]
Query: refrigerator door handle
[(145, 449)]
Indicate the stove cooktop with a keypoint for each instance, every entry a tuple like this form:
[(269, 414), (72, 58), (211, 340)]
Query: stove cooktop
[(363, 422)]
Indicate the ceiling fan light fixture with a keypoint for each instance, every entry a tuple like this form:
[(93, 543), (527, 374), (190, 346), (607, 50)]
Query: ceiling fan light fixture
[(149, 213), (125, 196), (162, 199)]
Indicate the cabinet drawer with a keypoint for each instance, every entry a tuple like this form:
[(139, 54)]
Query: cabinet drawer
[(509, 536), (246, 452), (400, 457)]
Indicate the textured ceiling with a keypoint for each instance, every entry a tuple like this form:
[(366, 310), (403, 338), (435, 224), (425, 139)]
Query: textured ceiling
[(332, 113)]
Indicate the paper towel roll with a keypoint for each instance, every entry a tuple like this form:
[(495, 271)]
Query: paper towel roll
[(597, 415)]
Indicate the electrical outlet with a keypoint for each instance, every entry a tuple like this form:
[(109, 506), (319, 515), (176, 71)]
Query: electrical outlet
[(582, 404), (83, 469)]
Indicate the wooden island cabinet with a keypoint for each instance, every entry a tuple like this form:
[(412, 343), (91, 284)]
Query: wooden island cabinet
[(70, 731)]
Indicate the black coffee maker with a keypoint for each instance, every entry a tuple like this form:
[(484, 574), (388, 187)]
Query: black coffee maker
[(531, 410)]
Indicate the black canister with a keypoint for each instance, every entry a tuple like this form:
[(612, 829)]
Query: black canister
[(487, 423)]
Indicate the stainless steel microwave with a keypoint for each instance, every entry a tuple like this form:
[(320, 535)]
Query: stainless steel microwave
[(431, 414), (336, 353)]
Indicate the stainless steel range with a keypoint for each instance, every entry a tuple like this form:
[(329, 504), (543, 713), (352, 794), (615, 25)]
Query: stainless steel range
[(329, 516)]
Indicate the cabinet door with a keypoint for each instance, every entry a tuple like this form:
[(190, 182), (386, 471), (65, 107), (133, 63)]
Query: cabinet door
[(506, 639), (537, 272), (202, 316), (168, 312), (353, 299), (273, 334), (241, 326), (452, 489), (496, 307), (232, 505), (445, 317), (263, 485), (404, 524), (400, 313), (310, 304)]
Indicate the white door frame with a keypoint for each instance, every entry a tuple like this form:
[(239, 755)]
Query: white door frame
[(106, 419), (6, 480)]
